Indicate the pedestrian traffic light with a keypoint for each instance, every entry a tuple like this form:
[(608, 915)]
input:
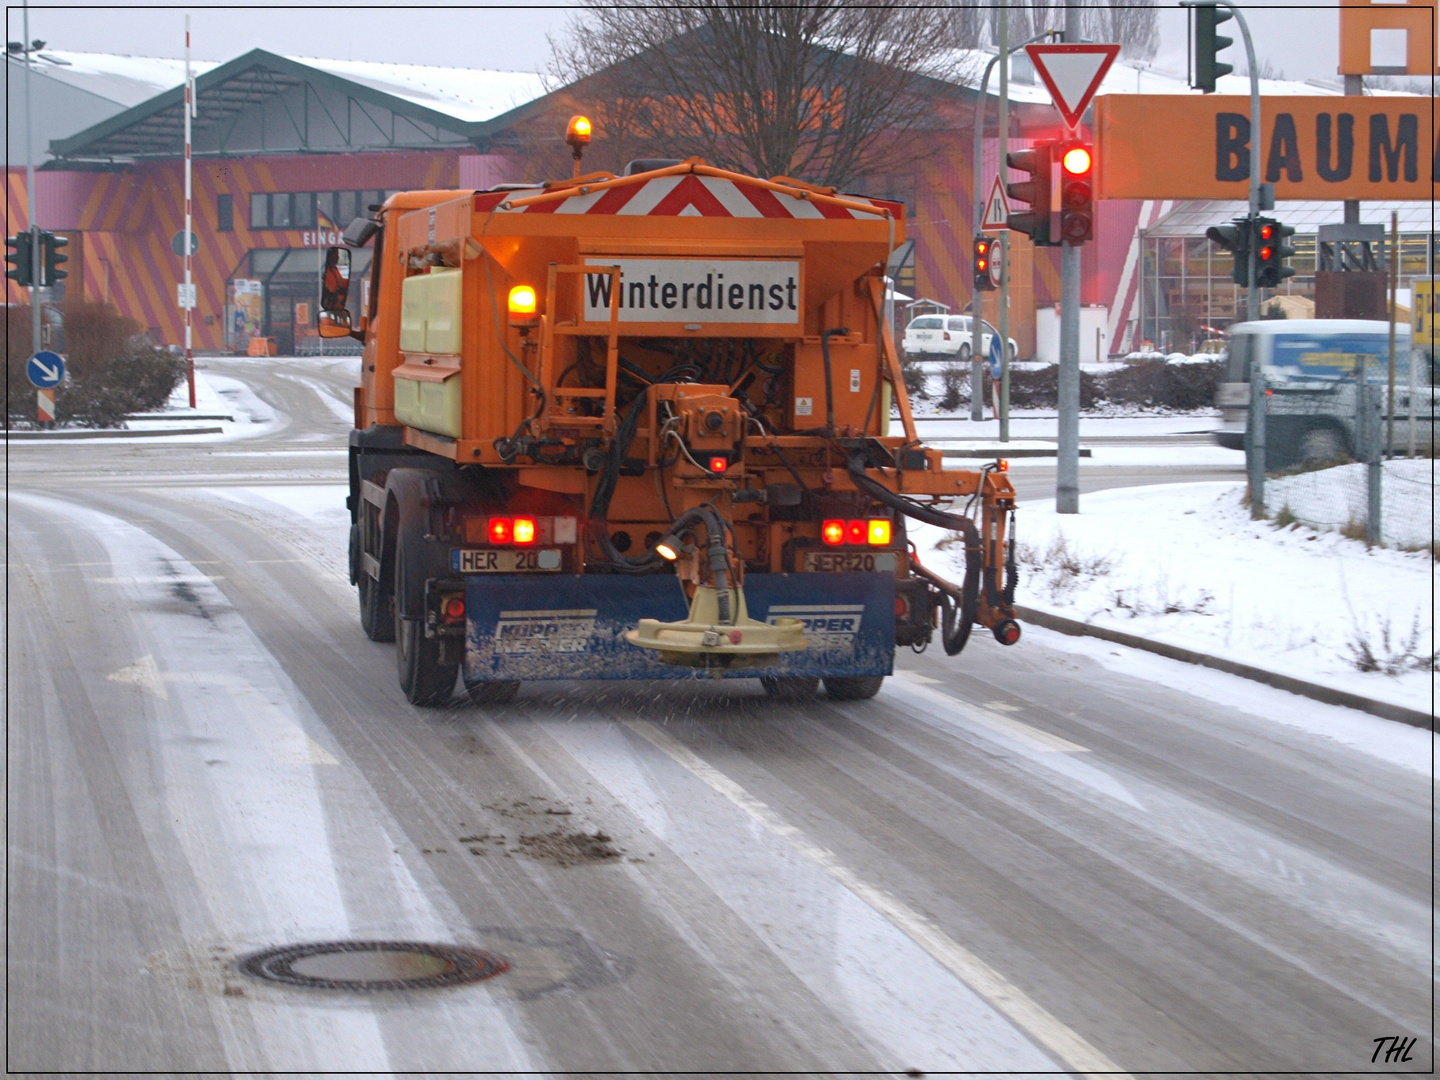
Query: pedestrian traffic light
[(1208, 67), (1077, 192), (50, 250), (1234, 238), (1034, 222), (19, 258), (984, 255), (1271, 251)]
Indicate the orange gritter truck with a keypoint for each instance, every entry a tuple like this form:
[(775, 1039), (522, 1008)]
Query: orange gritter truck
[(639, 426)]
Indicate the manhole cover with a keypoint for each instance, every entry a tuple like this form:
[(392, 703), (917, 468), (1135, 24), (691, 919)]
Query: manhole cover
[(373, 965)]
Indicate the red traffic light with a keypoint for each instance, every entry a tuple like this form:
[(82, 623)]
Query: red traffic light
[(1076, 161), (1267, 232)]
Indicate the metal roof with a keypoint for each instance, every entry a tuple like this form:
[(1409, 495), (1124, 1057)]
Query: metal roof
[(1192, 217), (455, 101)]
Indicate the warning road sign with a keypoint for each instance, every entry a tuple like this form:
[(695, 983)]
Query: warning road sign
[(1072, 74), (997, 208)]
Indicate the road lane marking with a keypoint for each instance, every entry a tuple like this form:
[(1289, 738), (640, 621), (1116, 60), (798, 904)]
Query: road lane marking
[(282, 736), (1069, 1046), (1033, 737)]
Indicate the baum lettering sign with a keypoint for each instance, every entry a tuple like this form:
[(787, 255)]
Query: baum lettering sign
[(1180, 147)]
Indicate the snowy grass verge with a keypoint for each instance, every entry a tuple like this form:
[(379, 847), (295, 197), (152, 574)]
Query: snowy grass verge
[(1184, 564), (1335, 499)]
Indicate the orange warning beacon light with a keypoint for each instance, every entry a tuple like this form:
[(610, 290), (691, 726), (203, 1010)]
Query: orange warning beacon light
[(524, 307), (577, 134)]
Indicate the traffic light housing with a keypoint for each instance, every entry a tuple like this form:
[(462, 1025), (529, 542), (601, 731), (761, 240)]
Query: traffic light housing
[(51, 250), (984, 257), (19, 259), (1077, 191), (1234, 238), (1034, 222), (1271, 251), (1208, 67)]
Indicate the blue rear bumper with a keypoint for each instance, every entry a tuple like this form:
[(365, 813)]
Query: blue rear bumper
[(529, 627)]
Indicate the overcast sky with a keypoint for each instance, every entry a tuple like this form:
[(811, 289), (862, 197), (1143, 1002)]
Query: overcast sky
[(1299, 38)]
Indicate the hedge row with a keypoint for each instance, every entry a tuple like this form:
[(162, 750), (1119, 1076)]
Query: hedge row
[(1151, 384), (112, 369)]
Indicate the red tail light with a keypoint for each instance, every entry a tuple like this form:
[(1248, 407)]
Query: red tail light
[(453, 609), (500, 530), (524, 531), (855, 532), (719, 464), (833, 533)]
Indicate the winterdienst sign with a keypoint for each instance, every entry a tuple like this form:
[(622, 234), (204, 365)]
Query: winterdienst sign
[(1179, 147), (697, 290)]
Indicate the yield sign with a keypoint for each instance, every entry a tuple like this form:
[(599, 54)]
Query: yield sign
[(1072, 74), (997, 208)]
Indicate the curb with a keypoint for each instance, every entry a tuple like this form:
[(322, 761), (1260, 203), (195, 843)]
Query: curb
[(1327, 695), (65, 436)]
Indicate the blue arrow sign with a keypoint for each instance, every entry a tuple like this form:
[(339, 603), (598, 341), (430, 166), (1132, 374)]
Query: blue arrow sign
[(994, 356), (45, 370)]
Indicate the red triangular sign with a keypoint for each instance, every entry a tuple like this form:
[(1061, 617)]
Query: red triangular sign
[(1072, 74), (997, 208)]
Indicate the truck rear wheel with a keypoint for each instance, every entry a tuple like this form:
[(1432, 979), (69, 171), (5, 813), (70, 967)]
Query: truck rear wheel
[(376, 618), (423, 677), (790, 688), (853, 687)]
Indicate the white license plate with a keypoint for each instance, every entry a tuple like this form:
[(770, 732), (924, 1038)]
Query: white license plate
[(504, 560), (849, 561)]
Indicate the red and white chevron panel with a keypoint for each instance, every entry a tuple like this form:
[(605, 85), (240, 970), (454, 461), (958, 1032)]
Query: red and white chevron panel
[(687, 195)]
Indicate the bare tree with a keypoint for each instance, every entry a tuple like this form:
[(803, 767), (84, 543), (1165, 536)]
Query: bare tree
[(1134, 25), (822, 91)]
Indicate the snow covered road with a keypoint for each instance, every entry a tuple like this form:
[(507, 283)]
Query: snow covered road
[(1023, 859)]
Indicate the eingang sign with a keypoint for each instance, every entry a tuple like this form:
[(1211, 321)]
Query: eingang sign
[(697, 290), (1181, 147)]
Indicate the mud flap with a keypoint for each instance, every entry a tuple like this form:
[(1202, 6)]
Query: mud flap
[(528, 627)]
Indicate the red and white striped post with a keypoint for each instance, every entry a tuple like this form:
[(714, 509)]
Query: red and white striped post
[(45, 406), (188, 297)]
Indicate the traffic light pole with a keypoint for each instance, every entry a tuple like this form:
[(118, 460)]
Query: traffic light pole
[(1067, 450), (977, 359), (1002, 320), (1252, 293), (35, 263)]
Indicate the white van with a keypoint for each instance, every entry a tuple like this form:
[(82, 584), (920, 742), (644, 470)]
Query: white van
[(1309, 367)]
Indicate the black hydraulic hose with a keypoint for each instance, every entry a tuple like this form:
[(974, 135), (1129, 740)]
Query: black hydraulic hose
[(715, 552), (954, 634), (829, 380)]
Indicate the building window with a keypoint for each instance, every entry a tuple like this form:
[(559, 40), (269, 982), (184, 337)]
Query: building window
[(304, 210), (259, 211), (225, 213), (280, 216)]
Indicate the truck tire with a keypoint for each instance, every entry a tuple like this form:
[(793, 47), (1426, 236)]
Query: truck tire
[(423, 678), (377, 618), (853, 687), (493, 693), (791, 687)]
